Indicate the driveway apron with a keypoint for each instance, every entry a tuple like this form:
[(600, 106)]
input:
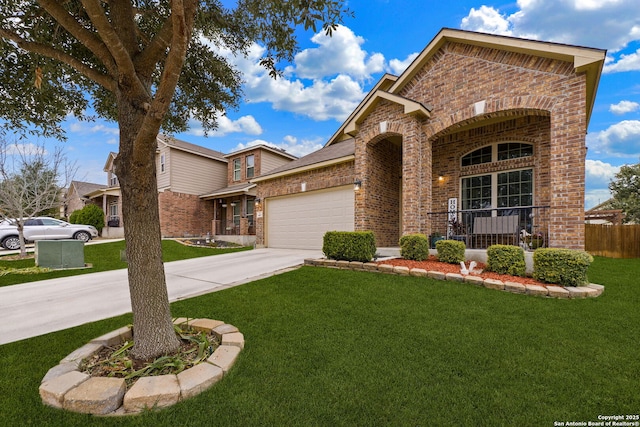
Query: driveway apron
[(39, 308)]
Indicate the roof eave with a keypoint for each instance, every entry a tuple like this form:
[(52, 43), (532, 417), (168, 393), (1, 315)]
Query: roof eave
[(318, 165)]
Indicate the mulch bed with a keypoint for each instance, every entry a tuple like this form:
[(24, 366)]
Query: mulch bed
[(432, 264)]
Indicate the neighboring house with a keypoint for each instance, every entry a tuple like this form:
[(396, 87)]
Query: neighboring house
[(481, 133), (76, 198), (603, 214), (200, 191)]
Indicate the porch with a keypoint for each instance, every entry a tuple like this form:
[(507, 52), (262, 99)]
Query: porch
[(527, 227)]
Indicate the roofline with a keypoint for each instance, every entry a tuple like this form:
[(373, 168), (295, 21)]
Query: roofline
[(385, 82), (586, 60), (274, 150), (318, 165), (216, 194), (194, 152)]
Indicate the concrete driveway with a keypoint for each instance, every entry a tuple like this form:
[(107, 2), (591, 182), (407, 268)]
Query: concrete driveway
[(39, 308)]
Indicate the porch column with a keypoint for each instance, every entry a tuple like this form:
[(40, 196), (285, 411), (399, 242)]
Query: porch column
[(412, 177), (105, 212), (567, 176)]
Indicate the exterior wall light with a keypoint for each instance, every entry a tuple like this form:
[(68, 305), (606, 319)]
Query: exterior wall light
[(441, 178), (357, 185), (257, 201)]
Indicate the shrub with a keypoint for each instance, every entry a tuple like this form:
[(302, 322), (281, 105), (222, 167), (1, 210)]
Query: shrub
[(414, 247), (450, 251), (506, 259), (89, 215), (565, 267), (349, 245)]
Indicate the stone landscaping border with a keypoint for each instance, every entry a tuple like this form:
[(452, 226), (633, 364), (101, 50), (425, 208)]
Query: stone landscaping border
[(65, 387), (590, 291)]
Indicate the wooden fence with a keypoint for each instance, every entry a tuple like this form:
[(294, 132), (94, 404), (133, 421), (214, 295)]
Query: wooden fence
[(613, 241)]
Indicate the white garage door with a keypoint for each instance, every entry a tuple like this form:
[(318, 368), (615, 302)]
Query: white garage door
[(300, 221)]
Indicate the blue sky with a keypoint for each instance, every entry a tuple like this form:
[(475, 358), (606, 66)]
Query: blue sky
[(330, 76)]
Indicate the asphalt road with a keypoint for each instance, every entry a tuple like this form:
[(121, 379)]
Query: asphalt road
[(38, 308)]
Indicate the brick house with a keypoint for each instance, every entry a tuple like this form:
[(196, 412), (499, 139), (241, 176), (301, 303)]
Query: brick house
[(195, 186), (481, 139), (75, 197)]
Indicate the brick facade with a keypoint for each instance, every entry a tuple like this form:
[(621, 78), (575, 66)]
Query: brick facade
[(183, 215)]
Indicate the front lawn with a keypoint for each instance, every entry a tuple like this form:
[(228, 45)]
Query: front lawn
[(334, 347), (106, 256)]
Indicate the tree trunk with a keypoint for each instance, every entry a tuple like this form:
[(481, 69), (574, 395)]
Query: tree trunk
[(136, 170)]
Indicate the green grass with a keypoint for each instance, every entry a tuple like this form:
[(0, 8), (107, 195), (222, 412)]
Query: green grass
[(106, 256), (343, 348)]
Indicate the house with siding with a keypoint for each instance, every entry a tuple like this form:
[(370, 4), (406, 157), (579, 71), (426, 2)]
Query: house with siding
[(201, 192), (75, 197), (480, 139)]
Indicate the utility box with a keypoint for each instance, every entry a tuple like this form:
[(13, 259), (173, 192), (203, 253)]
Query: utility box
[(60, 254)]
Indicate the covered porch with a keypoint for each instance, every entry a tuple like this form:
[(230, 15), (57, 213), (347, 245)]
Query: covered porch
[(234, 214), (111, 203)]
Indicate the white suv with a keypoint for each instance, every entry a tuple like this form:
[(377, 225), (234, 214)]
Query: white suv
[(44, 228)]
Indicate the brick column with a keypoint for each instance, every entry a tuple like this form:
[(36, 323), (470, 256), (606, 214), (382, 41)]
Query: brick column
[(411, 176)]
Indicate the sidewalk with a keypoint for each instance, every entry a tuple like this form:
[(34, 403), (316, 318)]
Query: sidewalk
[(39, 308)]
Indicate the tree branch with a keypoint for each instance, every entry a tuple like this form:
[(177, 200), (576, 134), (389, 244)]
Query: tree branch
[(45, 50), (84, 36), (156, 49)]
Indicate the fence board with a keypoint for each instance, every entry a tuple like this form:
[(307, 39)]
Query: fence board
[(613, 241)]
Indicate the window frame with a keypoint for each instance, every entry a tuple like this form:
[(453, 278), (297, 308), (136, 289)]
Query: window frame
[(494, 189), (251, 167), (237, 169)]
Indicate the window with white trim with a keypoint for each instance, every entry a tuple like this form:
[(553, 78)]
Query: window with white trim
[(500, 189), (162, 163), (236, 169), (250, 162)]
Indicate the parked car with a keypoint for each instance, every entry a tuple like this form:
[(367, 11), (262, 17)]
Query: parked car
[(43, 228)]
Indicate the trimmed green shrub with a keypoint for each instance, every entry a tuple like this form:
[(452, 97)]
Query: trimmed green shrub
[(89, 215), (349, 245), (506, 259), (450, 251), (564, 267), (414, 247)]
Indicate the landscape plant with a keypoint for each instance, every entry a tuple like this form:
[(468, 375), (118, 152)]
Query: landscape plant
[(451, 251), (349, 245), (565, 267), (89, 215), (414, 247), (506, 259)]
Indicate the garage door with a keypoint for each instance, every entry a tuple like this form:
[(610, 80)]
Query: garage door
[(300, 221)]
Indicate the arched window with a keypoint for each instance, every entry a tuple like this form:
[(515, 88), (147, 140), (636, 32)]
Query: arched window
[(497, 152)]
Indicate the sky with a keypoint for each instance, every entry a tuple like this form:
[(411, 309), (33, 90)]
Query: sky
[(330, 76)]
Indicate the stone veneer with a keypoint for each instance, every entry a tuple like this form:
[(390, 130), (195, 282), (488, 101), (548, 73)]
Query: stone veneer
[(553, 291), (65, 387)]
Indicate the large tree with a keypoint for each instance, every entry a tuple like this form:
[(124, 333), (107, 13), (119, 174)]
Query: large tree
[(626, 192), (147, 64)]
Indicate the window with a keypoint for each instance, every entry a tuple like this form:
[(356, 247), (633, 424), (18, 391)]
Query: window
[(503, 151), (237, 209), (250, 209), (113, 210), (498, 190), (162, 164), (113, 180), (236, 169), (250, 161)]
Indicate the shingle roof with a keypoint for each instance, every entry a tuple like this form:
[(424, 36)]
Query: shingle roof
[(84, 188), (327, 153), (193, 148)]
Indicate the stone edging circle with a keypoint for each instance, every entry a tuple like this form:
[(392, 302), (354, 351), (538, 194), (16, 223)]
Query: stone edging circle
[(590, 291), (65, 387)]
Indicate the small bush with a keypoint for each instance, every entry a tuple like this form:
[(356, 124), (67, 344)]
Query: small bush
[(450, 251), (89, 215), (349, 245), (506, 259), (414, 247), (564, 267)]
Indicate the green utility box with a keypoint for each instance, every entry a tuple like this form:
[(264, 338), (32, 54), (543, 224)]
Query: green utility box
[(60, 254)]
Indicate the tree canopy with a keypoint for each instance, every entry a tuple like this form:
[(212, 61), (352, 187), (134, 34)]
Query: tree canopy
[(626, 192)]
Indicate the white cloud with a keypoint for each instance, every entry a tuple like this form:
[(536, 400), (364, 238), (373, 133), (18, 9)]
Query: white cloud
[(398, 66), (630, 62), (610, 24), (339, 54), (595, 197), (23, 150), (621, 139), (599, 173), (289, 143), (624, 107), (89, 128)]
